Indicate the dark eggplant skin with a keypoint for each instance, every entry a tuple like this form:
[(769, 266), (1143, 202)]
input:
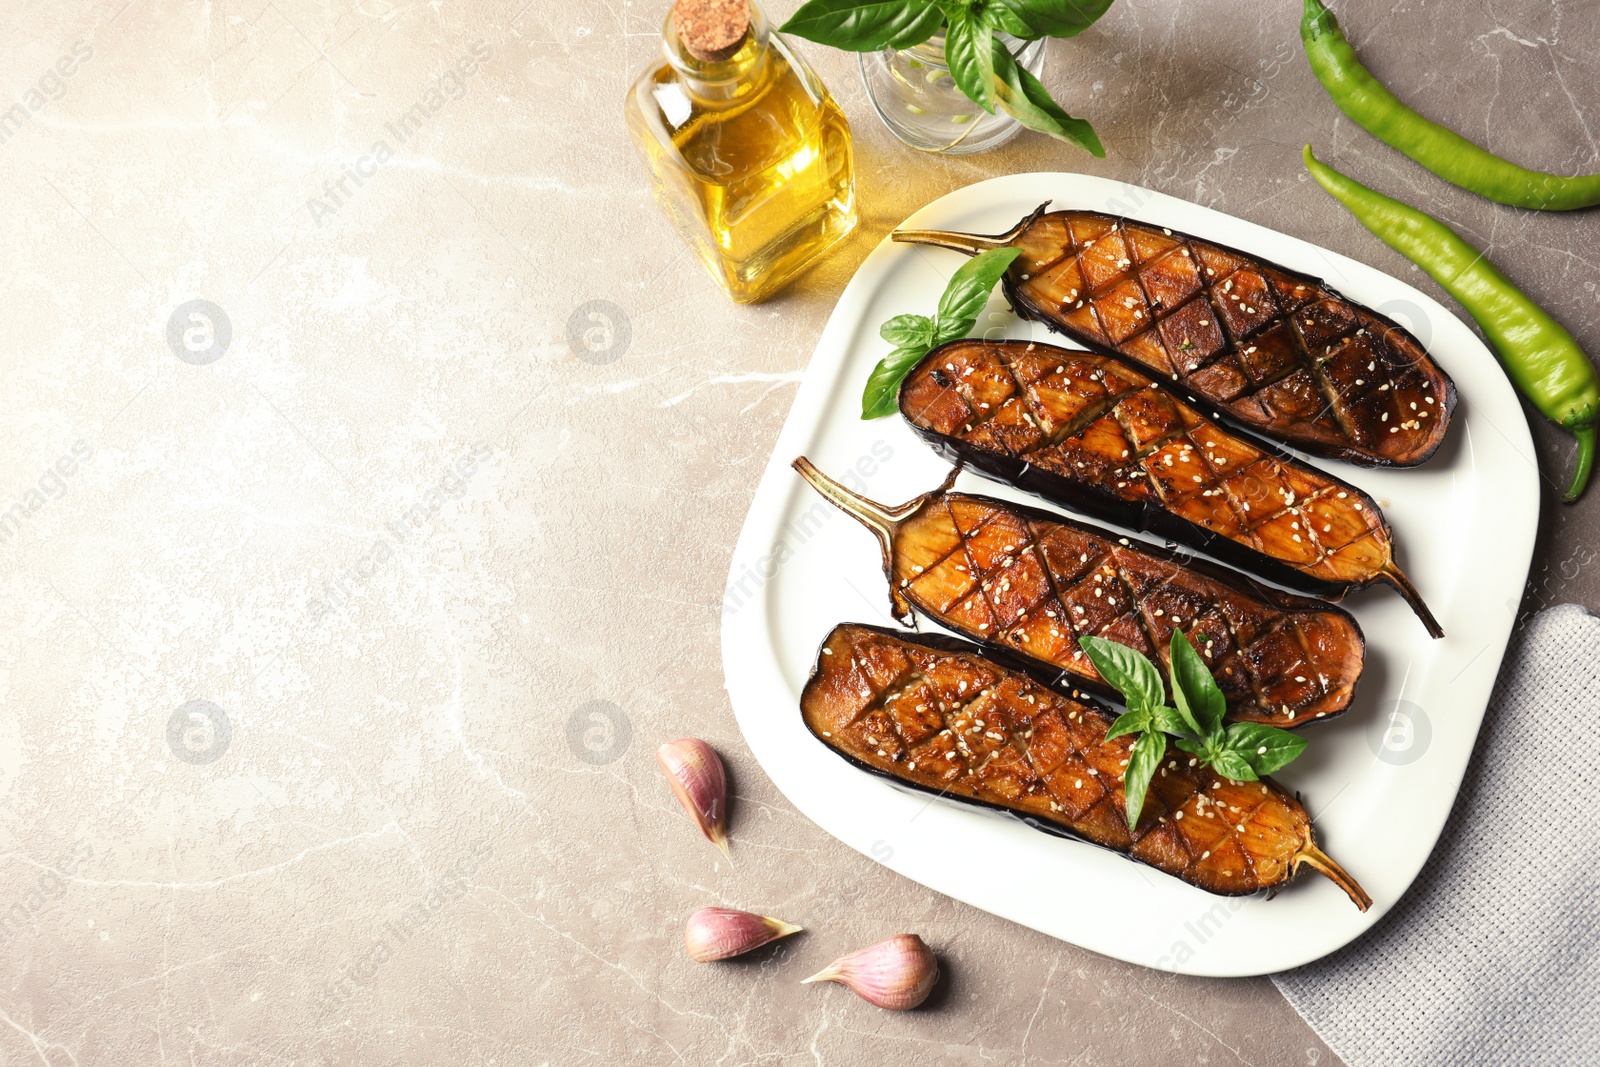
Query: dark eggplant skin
[(908, 533), (1302, 431), (998, 655), (1055, 681), (1267, 857), (1135, 515), (1149, 515)]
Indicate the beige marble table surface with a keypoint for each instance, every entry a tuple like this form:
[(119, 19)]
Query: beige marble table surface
[(343, 611)]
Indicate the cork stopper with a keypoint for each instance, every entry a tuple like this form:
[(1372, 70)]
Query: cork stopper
[(711, 30)]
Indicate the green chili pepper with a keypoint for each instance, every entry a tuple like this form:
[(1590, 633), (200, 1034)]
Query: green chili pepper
[(1542, 359), (1449, 155)]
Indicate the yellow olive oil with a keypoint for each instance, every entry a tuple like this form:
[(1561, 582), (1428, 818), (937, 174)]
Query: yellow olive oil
[(749, 155)]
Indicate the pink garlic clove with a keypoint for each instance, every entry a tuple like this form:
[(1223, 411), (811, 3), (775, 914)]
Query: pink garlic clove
[(695, 771), (897, 974), (722, 933)]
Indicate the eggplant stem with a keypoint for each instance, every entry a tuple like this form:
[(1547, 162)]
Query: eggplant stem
[(881, 520), (1580, 474), (874, 516), (970, 243), (1397, 578), (1323, 864)]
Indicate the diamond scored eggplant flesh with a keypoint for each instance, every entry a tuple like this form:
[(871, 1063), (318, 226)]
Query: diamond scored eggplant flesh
[(1084, 431), (1029, 582), (1280, 352), (944, 717)]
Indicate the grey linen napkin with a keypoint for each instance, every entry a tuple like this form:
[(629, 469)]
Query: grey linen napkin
[(1493, 956)]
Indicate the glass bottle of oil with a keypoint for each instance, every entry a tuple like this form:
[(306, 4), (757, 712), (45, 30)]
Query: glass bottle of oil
[(748, 153)]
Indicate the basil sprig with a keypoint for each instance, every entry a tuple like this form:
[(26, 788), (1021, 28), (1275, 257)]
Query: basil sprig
[(1242, 751), (914, 336), (865, 25), (983, 68)]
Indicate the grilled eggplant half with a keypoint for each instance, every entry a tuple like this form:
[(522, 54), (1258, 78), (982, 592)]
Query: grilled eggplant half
[(1279, 351), (1025, 581), (939, 715), (1084, 431)]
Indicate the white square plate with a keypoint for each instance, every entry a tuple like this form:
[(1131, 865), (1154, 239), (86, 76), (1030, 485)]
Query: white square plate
[(1379, 781)]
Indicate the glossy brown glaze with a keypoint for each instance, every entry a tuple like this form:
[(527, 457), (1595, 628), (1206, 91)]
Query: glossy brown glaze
[(939, 716), (1085, 431), (1029, 582), (1279, 351)]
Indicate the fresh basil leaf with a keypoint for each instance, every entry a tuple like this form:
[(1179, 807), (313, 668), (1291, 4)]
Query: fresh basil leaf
[(1170, 720), (964, 296), (969, 289), (1265, 748), (969, 46), (948, 330), (1130, 722), (908, 331), (1193, 746), (1194, 690), (883, 384), (1142, 764), (1230, 764), (1020, 95), (1004, 20), (1125, 670), (1053, 18), (861, 25), (1185, 714), (930, 22)]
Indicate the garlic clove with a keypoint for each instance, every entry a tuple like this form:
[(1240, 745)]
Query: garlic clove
[(695, 771), (721, 933), (897, 974)]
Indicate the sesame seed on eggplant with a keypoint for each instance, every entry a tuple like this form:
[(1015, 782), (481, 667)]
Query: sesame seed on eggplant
[(945, 717), (1029, 582), (1084, 431), (1280, 352)]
